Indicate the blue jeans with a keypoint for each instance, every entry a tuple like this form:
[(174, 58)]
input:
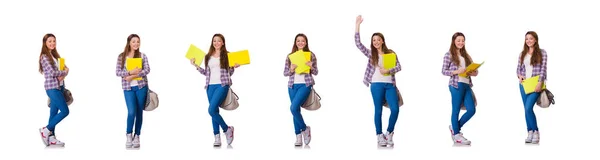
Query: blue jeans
[(529, 101), (136, 101), (298, 94), (461, 95), (57, 103), (379, 91), (216, 94)]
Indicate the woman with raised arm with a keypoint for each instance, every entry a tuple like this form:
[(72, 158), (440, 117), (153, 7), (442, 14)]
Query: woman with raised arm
[(382, 82)]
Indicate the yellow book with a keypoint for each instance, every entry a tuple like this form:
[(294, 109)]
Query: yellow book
[(471, 67), (240, 57), (389, 61), (529, 84), (196, 53), (133, 63), (61, 64), (299, 59)]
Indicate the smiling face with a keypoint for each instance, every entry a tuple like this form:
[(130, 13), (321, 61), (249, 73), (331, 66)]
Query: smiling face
[(377, 42), (459, 42), (530, 40), (300, 42), (217, 42), (134, 44), (51, 43)]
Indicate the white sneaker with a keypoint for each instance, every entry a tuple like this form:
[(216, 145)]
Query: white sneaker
[(45, 133), (390, 138), (529, 137), (52, 141), (129, 142), (136, 141), (229, 135), (306, 135), (217, 140), (536, 137), (459, 138), (298, 140), (381, 140)]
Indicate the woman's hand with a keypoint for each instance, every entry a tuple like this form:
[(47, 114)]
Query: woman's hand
[(459, 70), (538, 87), (473, 73), (309, 63)]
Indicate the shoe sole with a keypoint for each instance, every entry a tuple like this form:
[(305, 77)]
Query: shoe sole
[(42, 136)]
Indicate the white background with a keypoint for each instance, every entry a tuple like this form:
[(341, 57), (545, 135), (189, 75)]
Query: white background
[(90, 35)]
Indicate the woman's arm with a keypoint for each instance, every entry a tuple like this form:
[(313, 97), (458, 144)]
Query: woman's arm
[(146, 69), (446, 66), (543, 73), (397, 68), (357, 41), (49, 69), (314, 70), (120, 70), (287, 71)]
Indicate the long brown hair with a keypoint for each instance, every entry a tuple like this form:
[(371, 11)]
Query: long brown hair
[(50, 54), (374, 53), (463, 51), (536, 57), (295, 47), (127, 49), (223, 54)]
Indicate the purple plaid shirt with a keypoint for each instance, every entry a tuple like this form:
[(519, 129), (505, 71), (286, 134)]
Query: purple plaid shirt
[(371, 68), (225, 75), (122, 72), (448, 68), (51, 73), (308, 78), (538, 69)]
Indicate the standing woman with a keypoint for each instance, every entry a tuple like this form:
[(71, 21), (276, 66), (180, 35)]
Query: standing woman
[(383, 87), (532, 62), (218, 80), (299, 86), (54, 85), (135, 91), (455, 62)]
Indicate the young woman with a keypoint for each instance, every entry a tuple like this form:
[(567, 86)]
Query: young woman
[(135, 91), (218, 80), (299, 86), (383, 87), (532, 62), (455, 62), (54, 85)]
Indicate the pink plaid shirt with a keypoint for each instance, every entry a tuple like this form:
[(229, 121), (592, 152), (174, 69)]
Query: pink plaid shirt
[(448, 68), (308, 78), (122, 72), (538, 69), (51, 73), (370, 67)]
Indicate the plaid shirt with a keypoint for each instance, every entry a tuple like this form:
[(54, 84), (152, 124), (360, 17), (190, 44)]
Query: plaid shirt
[(538, 69), (308, 78), (122, 72), (225, 75), (450, 67), (51, 73), (371, 68)]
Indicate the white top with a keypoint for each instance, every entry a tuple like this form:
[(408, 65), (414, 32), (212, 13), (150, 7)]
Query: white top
[(214, 64), (377, 76), (528, 66), (463, 64), (132, 83), (57, 64), (299, 79)]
